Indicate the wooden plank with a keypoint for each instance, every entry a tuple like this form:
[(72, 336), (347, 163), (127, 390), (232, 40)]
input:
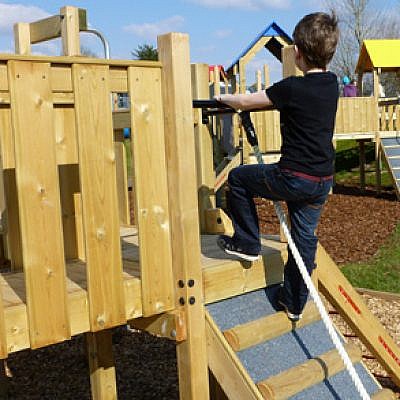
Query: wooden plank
[(223, 175), (170, 325), (65, 135), (254, 332), (39, 202), (354, 311), (121, 119), (217, 222), (203, 145), (69, 186), (288, 62), (226, 366), (6, 139), (122, 183), (173, 51), (101, 365), (151, 190), (235, 278), (296, 379), (99, 195)]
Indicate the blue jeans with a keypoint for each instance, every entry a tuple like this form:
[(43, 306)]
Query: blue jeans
[(304, 198)]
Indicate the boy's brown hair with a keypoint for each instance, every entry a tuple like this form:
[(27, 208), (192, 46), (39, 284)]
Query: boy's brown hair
[(316, 36)]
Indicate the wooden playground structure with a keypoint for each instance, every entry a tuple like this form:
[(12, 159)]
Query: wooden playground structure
[(77, 264)]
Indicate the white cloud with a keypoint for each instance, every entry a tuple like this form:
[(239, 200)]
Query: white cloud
[(150, 30), (252, 5), (223, 33), (12, 13)]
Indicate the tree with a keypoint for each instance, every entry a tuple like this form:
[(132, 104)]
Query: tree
[(85, 51), (145, 52), (359, 20)]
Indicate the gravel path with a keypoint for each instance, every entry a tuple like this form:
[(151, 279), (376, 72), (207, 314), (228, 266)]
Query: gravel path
[(352, 228)]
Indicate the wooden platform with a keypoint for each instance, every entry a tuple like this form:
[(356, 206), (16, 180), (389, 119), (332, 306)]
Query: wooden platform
[(222, 278)]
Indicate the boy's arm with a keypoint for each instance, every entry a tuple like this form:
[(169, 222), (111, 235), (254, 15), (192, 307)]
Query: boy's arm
[(248, 101)]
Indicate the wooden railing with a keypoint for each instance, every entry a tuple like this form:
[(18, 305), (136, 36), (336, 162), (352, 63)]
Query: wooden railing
[(389, 116)]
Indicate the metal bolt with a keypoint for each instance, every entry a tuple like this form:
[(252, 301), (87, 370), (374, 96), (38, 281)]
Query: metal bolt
[(181, 301), (191, 282), (192, 300), (181, 283)]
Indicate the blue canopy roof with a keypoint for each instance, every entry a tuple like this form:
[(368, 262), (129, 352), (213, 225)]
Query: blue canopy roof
[(272, 30)]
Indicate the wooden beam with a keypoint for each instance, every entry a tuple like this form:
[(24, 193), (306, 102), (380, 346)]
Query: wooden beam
[(217, 222), (296, 379), (173, 50), (170, 325), (254, 332), (203, 145), (226, 366), (354, 311), (102, 365)]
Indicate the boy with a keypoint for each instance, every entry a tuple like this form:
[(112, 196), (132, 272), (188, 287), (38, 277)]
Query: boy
[(303, 176)]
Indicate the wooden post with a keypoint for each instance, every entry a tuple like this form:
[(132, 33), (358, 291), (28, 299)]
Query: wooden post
[(22, 38), (361, 144), (204, 145), (289, 63), (173, 50), (101, 365), (70, 31), (267, 81), (378, 162)]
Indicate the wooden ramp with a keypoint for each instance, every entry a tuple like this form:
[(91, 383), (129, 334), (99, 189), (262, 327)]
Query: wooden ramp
[(255, 352), (391, 149)]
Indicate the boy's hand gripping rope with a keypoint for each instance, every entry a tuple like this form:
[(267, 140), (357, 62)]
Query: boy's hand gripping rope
[(252, 139)]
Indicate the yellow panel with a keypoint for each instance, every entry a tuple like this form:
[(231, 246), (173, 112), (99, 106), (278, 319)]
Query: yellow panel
[(99, 195), (379, 53), (151, 192), (39, 201)]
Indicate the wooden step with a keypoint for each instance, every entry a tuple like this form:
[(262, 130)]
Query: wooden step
[(303, 376), (252, 333), (384, 394)]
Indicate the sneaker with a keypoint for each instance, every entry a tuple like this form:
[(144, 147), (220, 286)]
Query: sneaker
[(294, 317), (226, 244)]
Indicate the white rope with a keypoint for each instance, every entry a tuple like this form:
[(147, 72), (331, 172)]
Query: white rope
[(318, 302)]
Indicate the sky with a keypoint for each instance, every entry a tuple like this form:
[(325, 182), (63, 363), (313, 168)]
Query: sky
[(219, 30)]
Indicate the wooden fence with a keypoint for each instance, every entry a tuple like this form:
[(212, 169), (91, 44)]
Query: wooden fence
[(70, 274)]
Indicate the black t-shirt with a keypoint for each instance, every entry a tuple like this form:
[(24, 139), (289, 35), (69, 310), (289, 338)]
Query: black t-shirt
[(307, 105)]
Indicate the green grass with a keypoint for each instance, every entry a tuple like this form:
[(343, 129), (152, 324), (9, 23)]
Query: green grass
[(382, 272), (347, 169)]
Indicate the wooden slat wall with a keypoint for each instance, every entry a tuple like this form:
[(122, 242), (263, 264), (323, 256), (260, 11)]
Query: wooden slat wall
[(99, 195), (151, 191), (39, 201), (357, 114)]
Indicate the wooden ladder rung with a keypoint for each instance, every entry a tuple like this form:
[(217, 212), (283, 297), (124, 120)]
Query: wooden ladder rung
[(252, 333), (303, 376), (384, 394)]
